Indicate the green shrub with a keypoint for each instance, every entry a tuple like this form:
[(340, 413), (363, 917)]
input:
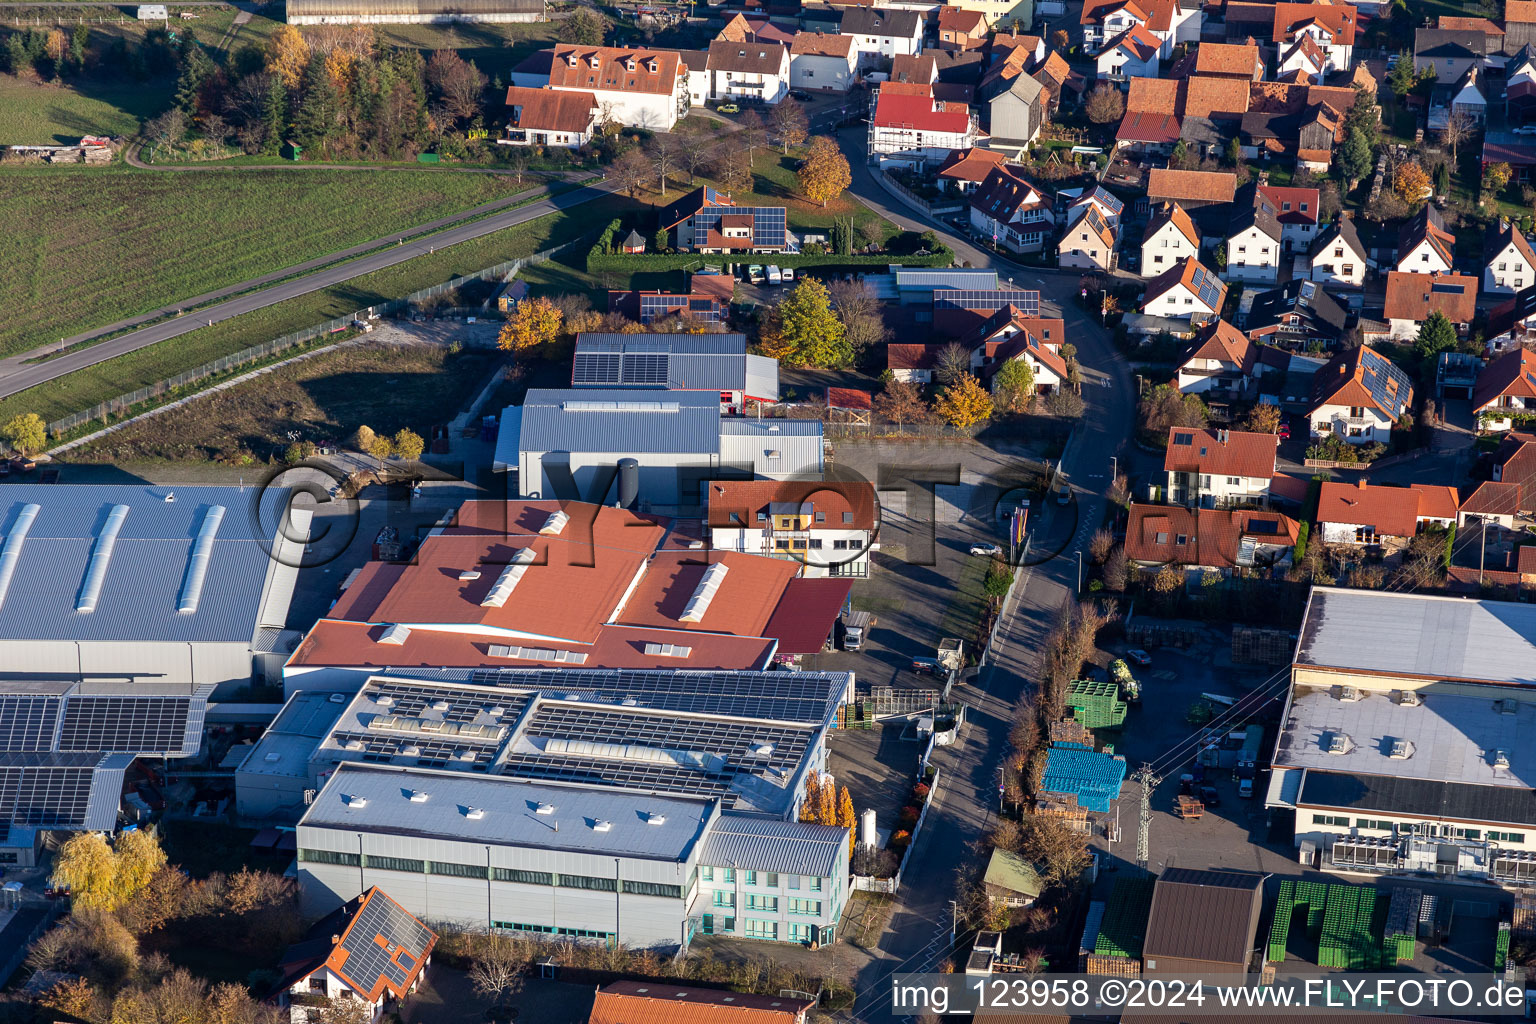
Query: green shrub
[(1302, 534)]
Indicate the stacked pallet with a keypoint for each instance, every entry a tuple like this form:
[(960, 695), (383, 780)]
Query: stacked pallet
[(1314, 895), (1397, 938), (1253, 646), (858, 715), (1501, 946), (1524, 922), (1280, 927), (1070, 730), (1096, 703)]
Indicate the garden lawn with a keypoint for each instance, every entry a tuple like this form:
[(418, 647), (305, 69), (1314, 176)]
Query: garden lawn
[(32, 113), (566, 275), (85, 388), (386, 386), (970, 599), (87, 246)]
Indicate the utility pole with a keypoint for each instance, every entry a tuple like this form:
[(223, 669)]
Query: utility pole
[(1482, 548), (1148, 782)]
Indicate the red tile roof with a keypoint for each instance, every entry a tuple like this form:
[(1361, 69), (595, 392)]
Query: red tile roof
[(917, 68), (552, 110), (971, 164), (1197, 186), (902, 109), (914, 356), (848, 398), (1437, 501), (1152, 95), (1095, 11), (953, 19), (662, 1002), (1144, 126), (822, 44), (345, 959), (612, 73), (1211, 96), (1221, 341), (1415, 296), (742, 606), (1137, 42), (1521, 12), (1494, 498), (1391, 511), (1363, 377), (1340, 19), (1003, 193), (1238, 59), (1173, 212), (1482, 25), (744, 499), (1185, 274), (1221, 452), (1211, 537), (1286, 487), (806, 613), (1513, 373), (1303, 203)]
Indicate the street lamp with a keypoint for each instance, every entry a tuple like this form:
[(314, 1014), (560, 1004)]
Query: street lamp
[(1079, 571)]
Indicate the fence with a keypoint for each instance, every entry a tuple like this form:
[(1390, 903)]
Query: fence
[(870, 883), (933, 209), (1020, 571), (122, 404)]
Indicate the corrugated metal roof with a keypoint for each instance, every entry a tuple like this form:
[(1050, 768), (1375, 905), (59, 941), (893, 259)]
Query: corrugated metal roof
[(1419, 636), (148, 566), (335, 8), (788, 847), (762, 378), (619, 421), (751, 442), (1203, 915), (509, 817)]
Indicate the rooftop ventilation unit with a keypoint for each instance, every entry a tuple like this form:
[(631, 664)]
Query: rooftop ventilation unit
[(704, 593), (197, 565), (418, 796), (1348, 694), (383, 700), (1408, 698), (465, 575), (1401, 750), (12, 550), (502, 588), (101, 557), (273, 757), (1501, 759), (410, 750), (536, 654), (544, 809), (602, 825), (441, 705), (1338, 743), (395, 634), (474, 813), (667, 651), (356, 801), (495, 710), (354, 745), (763, 750), (337, 698), (554, 524), (1507, 706), (655, 819)]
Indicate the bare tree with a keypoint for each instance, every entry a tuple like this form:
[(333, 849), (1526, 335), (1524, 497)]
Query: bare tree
[(859, 311), (665, 148), (1458, 129), (630, 171), (952, 362), (1105, 104), (752, 132), (497, 966), (695, 154), (790, 124)]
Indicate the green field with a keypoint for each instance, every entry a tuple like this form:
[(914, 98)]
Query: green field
[(32, 113), (85, 388), (87, 246)]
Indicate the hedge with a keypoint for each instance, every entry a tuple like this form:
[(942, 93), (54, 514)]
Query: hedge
[(1303, 533), (601, 260)]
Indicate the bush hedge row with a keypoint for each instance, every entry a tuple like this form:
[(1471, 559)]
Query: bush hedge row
[(601, 260)]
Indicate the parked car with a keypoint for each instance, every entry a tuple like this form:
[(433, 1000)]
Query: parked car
[(1285, 431), (1137, 656), (755, 273), (986, 549), (728, 108), (1209, 796), (1063, 493), (925, 666), (788, 273), (774, 277), (800, 95)]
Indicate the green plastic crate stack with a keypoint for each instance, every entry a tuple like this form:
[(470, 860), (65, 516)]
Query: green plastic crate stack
[(1334, 949), (1501, 946), (1400, 926), (1096, 703), (1315, 896), (1125, 918), (1364, 949), (1280, 927)]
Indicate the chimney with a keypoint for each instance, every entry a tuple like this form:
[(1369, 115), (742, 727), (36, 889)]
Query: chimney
[(1362, 484)]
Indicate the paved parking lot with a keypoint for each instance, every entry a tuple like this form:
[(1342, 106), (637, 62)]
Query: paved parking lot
[(877, 765)]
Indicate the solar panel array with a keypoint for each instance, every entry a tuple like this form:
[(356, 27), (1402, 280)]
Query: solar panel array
[(595, 368), (644, 368), (49, 791), (28, 721), (405, 939), (127, 724), (1206, 286), (769, 227), (1027, 302), (424, 751), (1449, 289), (414, 701), (1376, 371)]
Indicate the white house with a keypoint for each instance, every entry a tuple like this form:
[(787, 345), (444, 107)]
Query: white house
[(1511, 262), (1171, 237), (1087, 242), (881, 32), (549, 117), (1218, 468), (829, 528), (371, 950), (1297, 211), (823, 60), (1338, 256), (1186, 291), (1424, 246), (1131, 54), (1332, 26), (910, 128), (1506, 388), (757, 72), (635, 87), (1358, 396), (1221, 356), (1411, 298), (1169, 21), (1254, 238), (1305, 56), (1103, 21), (1109, 206), (1011, 211)]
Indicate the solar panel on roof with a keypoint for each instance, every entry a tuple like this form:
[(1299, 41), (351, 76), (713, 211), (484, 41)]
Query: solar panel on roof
[(1027, 302), (769, 229), (127, 724), (28, 721), (596, 368), (644, 368), (44, 795), (1449, 289), (1206, 287), (404, 939)]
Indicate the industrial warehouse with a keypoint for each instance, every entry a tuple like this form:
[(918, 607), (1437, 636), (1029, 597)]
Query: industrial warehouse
[(414, 12)]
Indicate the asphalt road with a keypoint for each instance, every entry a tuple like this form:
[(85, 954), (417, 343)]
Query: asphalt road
[(15, 377)]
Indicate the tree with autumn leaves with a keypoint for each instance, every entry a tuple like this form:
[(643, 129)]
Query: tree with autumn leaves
[(964, 403), (533, 324), (825, 173), (825, 804)]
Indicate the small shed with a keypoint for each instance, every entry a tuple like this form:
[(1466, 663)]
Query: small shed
[(849, 405), (291, 151), (633, 243), (151, 12), (1011, 880)]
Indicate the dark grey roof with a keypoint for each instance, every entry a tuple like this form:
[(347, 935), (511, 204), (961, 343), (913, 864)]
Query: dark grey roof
[(61, 791), (877, 21), (1342, 229), (146, 572), (762, 844), (1443, 43), (1252, 209), (1305, 298), (672, 362), (1203, 915), (619, 421), (1419, 798), (1200, 129)]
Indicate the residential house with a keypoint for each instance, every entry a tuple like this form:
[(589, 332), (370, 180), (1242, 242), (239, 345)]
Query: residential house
[(1190, 189), (1297, 211), (708, 221), (1012, 212), (1087, 242), (743, 29), (1151, 123), (547, 117), (642, 1002), (1168, 20), (1131, 54), (1332, 27), (964, 170), (1221, 357), (1253, 238), (910, 128), (911, 363), (1229, 60), (1451, 52), (1358, 396), (1302, 60), (754, 71), (1223, 101), (700, 80), (1099, 198), (823, 60), (828, 527), (635, 87), (1103, 20), (1185, 291), (1218, 540), (1008, 335), (1520, 87), (1493, 33), (1170, 238), (1506, 391), (1412, 297), (1001, 12), (1360, 513), (1511, 262), (1338, 257), (962, 29), (1492, 503), (915, 69), (1219, 468), (1466, 97), (1011, 880), (1017, 113), (881, 32), (1514, 461), (370, 950), (1424, 246), (1298, 314), (646, 307), (1512, 323)]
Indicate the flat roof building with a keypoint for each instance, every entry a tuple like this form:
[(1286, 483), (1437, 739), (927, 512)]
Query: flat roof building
[(414, 12), (677, 362)]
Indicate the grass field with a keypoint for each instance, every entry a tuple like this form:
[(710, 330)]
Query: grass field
[(85, 247), (328, 396), (85, 388), (32, 113)]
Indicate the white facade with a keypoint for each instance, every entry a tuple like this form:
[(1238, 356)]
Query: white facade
[(1121, 64), (1179, 303), (1213, 490), (1508, 271), (1096, 34), (819, 71), (821, 552), (870, 47), (1423, 258), (1252, 255), (1201, 374), (1356, 425), (1165, 249), (765, 87), (1512, 403), (903, 146), (1337, 263), (1340, 55), (1296, 58)]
